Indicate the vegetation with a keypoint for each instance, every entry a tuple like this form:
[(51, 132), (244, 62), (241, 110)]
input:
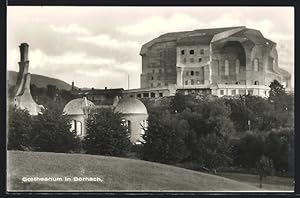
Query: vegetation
[(106, 134), (208, 133), (49, 131), (264, 167), (20, 127), (197, 132)]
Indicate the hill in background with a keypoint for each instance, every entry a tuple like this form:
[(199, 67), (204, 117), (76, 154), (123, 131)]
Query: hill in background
[(39, 81)]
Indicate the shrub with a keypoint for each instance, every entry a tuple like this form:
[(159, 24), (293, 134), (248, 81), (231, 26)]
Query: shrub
[(106, 134), (19, 129), (51, 133)]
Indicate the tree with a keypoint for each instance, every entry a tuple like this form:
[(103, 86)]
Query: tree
[(178, 103), (19, 129), (264, 168), (213, 151), (276, 90), (277, 148), (248, 150), (106, 134), (164, 138), (51, 132)]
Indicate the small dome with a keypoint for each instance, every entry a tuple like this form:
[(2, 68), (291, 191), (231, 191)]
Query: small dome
[(131, 106), (75, 107)]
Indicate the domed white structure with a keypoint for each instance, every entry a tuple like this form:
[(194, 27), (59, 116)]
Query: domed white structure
[(78, 110), (131, 106), (135, 116), (77, 106), (134, 113)]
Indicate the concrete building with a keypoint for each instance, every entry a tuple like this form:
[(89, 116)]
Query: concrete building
[(221, 61), (23, 98), (133, 111)]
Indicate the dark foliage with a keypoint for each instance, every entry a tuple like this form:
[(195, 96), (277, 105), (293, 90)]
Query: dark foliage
[(19, 129), (51, 132), (106, 134)]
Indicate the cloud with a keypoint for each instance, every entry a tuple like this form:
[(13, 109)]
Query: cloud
[(157, 24), (101, 40), (104, 40), (70, 29)]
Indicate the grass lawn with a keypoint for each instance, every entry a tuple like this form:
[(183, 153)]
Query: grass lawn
[(117, 174), (271, 183)]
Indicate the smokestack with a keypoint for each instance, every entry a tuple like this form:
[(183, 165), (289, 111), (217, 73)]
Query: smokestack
[(23, 67), (72, 85), (24, 52), (27, 82)]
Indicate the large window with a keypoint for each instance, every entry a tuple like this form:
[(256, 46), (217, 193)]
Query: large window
[(255, 64), (192, 51), (237, 66), (226, 68), (77, 127)]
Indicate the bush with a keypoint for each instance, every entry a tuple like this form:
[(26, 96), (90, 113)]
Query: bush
[(248, 150), (51, 133), (164, 138), (278, 148), (106, 134), (19, 129)]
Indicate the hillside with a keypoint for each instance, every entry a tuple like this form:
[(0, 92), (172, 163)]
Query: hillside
[(39, 81), (117, 174)]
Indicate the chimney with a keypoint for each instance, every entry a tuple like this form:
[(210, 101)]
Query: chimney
[(23, 67), (72, 85), (24, 52)]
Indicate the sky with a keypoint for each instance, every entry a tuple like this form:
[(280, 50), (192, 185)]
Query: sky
[(99, 46)]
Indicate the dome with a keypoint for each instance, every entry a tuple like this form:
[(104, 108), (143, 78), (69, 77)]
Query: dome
[(74, 107), (131, 106)]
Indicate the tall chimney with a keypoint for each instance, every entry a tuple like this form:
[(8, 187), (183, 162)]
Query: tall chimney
[(23, 67), (72, 85), (24, 52)]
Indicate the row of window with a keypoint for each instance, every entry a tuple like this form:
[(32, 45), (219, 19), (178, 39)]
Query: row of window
[(158, 84), (192, 73), (158, 78), (191, 60), (240, 92), (159, 71), (147, 95), (191, 52), (192, 82)]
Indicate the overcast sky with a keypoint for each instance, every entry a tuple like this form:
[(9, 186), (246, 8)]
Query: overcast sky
[(99, 46)]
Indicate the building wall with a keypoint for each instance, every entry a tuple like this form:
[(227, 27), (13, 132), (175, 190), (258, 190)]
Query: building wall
[(159, 65), (193, 65), (135, 126)]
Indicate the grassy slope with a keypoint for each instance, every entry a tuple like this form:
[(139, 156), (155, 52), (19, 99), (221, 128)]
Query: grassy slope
[(269, 183), (117, 173)]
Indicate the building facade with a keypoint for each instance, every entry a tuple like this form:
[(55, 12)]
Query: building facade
[(221, 61)]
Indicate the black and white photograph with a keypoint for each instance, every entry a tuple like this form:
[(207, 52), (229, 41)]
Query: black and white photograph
[(150, 99)]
